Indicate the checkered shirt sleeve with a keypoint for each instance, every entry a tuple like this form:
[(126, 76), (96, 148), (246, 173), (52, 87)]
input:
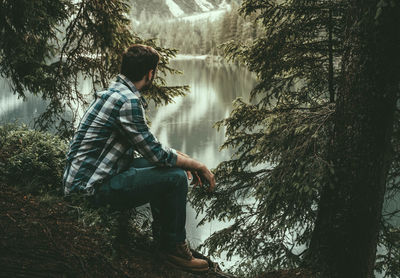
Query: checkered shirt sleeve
[(135, 129)]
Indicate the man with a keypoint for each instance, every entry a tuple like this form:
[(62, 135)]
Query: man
[(101, 164)]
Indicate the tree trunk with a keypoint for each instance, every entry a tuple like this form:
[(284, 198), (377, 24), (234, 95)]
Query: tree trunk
[(330, 53), (345, 236)]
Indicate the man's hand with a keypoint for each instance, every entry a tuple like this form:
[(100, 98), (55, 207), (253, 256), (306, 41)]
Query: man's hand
[(196, 170), (208, 176)]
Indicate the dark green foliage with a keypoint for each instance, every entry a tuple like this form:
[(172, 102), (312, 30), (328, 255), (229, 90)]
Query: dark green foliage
[(350, 211), (28, 35), (34, 161), (49, 47), (388, 256), (31, 159), (271, 186)]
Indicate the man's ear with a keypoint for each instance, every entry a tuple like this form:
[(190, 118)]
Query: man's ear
[(150, 74), (147, 76)]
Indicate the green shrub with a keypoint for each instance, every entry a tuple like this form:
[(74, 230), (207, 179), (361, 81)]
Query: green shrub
[(34, 161), (31, 159)]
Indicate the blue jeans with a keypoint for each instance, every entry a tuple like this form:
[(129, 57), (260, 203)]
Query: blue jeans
[(164, 188)]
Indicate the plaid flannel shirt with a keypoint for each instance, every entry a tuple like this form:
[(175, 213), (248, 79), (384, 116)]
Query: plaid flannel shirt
[(111, 131)]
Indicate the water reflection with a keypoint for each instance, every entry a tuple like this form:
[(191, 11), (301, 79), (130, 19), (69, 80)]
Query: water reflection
[(13, 108), (187, 124)]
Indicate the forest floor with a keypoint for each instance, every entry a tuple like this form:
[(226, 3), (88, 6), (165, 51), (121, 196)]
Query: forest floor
[(45, 239)]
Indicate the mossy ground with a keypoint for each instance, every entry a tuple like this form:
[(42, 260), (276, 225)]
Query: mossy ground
[(42, 237), (45, 239)]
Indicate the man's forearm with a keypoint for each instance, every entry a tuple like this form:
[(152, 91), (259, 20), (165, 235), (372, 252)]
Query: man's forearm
[(188, 163), (181, 153)]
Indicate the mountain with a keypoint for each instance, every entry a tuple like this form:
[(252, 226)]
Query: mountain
[(142, 9)]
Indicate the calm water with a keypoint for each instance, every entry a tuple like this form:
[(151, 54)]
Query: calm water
[(13, 108), (185, 125)]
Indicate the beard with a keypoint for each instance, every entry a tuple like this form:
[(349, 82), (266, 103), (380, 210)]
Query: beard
[(148, 83)]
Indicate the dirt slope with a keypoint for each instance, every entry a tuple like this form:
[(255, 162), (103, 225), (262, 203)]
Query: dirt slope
[(45, 240), (40, 239)]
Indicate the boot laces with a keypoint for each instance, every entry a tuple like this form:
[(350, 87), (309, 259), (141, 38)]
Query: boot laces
[(185, 251)]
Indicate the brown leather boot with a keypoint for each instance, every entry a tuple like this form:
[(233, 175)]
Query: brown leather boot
[(181, 256)]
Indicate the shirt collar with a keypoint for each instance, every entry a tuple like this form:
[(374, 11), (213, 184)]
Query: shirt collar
[(122, 78)]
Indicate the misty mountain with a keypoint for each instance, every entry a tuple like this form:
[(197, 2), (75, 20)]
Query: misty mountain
[(176, 8)]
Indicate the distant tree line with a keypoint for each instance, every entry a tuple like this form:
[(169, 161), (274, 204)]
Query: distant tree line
[(201, 38)]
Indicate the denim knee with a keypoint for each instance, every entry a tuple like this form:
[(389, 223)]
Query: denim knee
[(181, 179)]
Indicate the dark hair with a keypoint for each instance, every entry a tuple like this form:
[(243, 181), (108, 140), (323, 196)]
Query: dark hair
[(138, 60)]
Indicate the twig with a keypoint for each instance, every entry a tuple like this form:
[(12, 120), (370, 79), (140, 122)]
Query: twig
[(9, 216)]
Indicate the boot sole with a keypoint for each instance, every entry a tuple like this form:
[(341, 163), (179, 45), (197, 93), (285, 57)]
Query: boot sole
[(191, 270), (180, 267)]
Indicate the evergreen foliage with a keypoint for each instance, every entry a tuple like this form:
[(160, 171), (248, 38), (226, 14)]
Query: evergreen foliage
[(344, 241), (270, 189), (34, 161), (31, 159), (48, 47)]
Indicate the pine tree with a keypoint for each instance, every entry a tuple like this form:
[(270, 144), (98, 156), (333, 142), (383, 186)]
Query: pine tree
[(233, 28), (48, 46), (344, 241), (224, 30), (270, 188)]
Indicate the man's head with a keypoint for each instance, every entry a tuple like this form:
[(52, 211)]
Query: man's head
[(140, 61)]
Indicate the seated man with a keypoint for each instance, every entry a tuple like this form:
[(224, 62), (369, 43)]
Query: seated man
[(100, 161)]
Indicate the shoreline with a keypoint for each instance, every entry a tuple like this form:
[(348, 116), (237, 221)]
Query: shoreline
[(201, 57), (190, 57)]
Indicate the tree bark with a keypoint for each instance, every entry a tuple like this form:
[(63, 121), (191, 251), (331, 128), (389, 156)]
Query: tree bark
[(345, 236), (330, 51)]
